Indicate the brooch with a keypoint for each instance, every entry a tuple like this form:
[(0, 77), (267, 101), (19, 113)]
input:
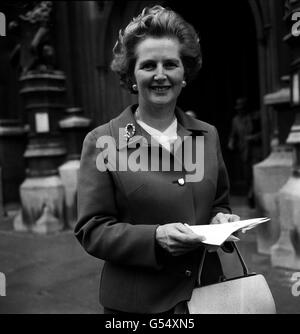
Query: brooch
[(129, 131)]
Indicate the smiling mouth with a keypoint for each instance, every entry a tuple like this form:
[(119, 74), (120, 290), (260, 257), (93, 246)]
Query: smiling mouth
[(160, 88)]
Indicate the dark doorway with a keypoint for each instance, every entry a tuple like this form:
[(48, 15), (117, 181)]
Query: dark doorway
[(230, 68)]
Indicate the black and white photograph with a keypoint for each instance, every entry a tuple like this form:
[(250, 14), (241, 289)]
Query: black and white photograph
[(150, 159)]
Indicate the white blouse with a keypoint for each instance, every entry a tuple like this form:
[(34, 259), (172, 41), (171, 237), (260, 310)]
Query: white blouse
[(166, 138)]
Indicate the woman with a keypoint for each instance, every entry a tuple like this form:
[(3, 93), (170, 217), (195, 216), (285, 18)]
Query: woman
[(132, 210)]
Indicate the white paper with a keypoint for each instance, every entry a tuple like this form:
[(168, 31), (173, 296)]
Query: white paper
[(216, 234)]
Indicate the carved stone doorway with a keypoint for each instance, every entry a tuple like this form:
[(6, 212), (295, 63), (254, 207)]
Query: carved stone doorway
[(230, 69)]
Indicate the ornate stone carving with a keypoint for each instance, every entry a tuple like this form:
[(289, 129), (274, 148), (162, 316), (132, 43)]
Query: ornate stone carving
[(35, 50)]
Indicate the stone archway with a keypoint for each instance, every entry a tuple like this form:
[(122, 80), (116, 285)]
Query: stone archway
[(230, 68), (115, 15), (232, 37)]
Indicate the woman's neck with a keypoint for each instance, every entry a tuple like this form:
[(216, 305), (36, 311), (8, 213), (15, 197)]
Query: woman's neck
[(158, 118)]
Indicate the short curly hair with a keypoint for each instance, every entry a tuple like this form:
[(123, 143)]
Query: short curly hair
[(155, 22)]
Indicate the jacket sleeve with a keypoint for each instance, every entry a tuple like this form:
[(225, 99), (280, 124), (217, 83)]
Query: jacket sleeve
[(98, 228), (221, 202)]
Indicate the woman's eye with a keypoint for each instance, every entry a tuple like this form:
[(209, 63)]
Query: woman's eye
[(148, 66), (170, 65)]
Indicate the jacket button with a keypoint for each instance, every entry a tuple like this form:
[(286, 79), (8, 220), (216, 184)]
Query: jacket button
[(181, 182), (188, 273)]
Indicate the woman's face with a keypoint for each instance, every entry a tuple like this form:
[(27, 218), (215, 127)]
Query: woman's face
[(158, 71)]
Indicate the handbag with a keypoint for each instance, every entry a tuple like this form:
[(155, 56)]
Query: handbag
[(247, 294)]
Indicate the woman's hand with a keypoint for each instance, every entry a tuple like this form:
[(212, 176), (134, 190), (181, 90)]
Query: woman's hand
[(177, 238), (224, 218)]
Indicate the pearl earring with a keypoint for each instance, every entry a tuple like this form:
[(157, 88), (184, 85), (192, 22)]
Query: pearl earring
[(183, 83), (134, 87)]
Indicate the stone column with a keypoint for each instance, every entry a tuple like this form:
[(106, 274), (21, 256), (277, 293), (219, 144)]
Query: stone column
[(42, 192), (273, 172), (43, 92), (74, 127), (286, 252)]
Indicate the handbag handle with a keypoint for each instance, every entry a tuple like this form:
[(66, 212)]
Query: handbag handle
[(244, 266)]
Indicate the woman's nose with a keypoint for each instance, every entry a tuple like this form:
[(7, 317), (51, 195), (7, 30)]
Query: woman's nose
[(160, 75)]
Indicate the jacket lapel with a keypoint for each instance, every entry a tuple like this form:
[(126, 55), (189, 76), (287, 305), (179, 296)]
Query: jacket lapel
[(186, 127), (118, 129)]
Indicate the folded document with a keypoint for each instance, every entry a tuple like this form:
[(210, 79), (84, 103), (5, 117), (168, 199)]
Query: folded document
[(216, 234)]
